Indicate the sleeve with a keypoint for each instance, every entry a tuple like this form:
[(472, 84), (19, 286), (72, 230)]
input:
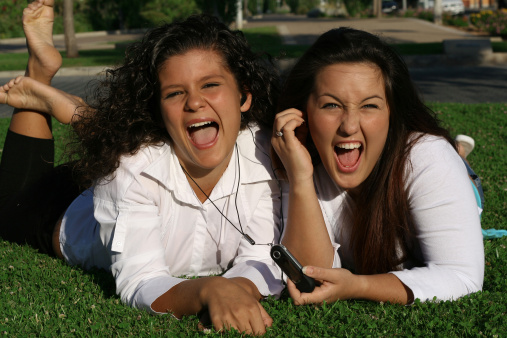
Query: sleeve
[(131, 230), (262, 202), (447, 224)]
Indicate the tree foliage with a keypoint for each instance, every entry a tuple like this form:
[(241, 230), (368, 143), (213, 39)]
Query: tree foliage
[(224, 9), (10, 18), (93, 15), (302, 6)]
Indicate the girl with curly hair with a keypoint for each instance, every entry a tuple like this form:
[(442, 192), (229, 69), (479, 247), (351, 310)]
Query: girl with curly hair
[(174, 148), (377, 188)]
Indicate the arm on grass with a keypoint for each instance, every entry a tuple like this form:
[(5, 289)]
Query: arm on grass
[(231, 303), (341, 284)]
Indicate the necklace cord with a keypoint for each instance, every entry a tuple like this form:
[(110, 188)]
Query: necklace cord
[(240, 230), (245, 236)]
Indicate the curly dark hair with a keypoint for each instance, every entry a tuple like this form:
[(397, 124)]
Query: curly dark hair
[(382, 219), (124, 112)]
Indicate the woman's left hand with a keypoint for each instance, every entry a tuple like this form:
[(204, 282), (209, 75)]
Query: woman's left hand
[(335, 284), (340, 284), (289, 139)]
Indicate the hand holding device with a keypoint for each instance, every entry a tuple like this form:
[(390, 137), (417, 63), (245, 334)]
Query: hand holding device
[(292, 268)]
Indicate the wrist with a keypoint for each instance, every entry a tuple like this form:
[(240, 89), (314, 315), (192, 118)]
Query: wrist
[(360, 286), (302, 186), (247, 285), (208, 288)]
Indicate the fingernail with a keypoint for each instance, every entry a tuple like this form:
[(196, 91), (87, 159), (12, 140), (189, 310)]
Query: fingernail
[(306, 269)]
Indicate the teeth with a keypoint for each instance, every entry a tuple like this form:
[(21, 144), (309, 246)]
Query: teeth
[(200, 124), (349, 145)]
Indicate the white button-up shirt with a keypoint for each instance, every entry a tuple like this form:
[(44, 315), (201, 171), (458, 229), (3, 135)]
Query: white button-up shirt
[(147, 226), (447, 247)]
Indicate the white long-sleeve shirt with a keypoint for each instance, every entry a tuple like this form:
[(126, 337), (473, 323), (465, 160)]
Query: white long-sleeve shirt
[(149, 229), (448, 238)]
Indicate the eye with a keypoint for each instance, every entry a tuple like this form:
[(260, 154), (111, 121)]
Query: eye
[(371, 106), (210, 85), (172, 94), (330, 106)]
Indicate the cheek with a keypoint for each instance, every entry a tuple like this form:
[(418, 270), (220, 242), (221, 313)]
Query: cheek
[(168, 119), (376, 133), (322, 127), (164, 116)]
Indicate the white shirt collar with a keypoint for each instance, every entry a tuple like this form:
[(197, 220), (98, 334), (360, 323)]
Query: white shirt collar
[(166, 168)]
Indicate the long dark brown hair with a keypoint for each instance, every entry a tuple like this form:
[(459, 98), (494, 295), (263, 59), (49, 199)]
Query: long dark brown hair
[(382, 221), (125, 113)]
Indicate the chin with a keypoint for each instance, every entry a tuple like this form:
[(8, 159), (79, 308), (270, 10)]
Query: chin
[(346, 184)]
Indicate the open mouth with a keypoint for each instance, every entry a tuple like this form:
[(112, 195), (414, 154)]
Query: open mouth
[(203, 134), (348, 154)]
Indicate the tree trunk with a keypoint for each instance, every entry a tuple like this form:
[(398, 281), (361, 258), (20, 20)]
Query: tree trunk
[(68, 29), (239, 15), (377, 8)]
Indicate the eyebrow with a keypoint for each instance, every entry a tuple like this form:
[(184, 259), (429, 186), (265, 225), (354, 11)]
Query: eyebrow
[(203, 79), (363, 100)]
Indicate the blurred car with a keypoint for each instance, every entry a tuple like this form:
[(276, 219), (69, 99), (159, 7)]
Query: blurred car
[(454, 7), (389, 6)]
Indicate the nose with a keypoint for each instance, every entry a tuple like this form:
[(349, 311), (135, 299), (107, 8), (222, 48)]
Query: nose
[(194, 101), (350, 123)]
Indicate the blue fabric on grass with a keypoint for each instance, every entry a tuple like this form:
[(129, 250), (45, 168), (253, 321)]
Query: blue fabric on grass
[(493, 233), (479, 197)]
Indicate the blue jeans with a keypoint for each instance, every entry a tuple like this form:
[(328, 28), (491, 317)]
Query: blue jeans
[(478, 185)]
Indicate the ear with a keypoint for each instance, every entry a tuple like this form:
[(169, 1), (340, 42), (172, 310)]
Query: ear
[(246, 101)]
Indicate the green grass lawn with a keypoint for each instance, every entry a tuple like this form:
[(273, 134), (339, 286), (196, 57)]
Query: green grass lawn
[(87, 58), (42, 296)]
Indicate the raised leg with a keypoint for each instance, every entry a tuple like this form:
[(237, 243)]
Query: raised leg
[(43, 63), (34, 194)]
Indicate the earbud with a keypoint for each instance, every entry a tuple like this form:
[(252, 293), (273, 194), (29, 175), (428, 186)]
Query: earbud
[(243, 99)]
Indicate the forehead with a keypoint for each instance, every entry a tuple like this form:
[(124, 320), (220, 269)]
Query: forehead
[(194, 61), (364, 75)]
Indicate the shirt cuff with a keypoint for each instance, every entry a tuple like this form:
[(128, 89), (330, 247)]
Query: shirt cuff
[(429, 282), (266, 277), (148, 291)]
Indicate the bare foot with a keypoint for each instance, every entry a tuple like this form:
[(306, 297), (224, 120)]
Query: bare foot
[(44, 60), (27, 93)]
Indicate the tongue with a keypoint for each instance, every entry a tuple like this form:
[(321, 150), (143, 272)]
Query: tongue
[(348, 157), (203, 135)]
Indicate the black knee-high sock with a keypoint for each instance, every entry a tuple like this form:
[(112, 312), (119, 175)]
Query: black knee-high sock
[(33, 194), (24, 161)]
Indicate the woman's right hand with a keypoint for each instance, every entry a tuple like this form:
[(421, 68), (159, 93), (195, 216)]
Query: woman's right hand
[(229, 302), (290, 147), (230, 306)]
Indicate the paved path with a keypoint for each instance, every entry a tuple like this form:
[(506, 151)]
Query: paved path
[(296, 29), (301, 30)]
